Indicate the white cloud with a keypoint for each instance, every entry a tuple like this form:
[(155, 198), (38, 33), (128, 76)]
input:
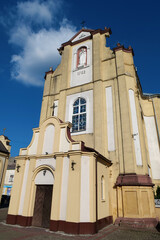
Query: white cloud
[(33, 33), (36, 11), (39, 53)]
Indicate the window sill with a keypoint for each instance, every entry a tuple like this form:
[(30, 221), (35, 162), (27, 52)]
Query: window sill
[(78, 132)]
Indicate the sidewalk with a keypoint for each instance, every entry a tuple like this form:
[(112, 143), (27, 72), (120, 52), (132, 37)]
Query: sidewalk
[(14, 232)]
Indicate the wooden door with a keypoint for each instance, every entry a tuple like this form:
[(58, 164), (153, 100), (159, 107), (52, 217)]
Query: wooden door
[(42, 207)]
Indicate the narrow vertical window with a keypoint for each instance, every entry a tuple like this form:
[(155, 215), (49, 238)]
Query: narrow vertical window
[(102, 188), (79, 115), (82, 57)]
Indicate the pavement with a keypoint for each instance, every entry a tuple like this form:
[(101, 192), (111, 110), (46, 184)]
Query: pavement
[(111, 232)]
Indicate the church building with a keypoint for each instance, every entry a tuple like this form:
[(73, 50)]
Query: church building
[(95, 157)]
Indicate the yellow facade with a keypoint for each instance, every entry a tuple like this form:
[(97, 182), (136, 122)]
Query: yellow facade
[(98, 90), (4, 155)]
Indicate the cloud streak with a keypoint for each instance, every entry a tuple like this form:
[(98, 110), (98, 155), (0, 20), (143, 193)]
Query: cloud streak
[(36, 35)]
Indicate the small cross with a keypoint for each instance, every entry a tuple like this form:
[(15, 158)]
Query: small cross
[(54, 106), (4, 129), (83, 23)]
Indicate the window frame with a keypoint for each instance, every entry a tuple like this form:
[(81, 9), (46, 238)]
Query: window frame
[(79, 114)]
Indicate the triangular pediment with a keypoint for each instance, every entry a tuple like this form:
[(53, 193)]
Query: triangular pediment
[(83, 33)]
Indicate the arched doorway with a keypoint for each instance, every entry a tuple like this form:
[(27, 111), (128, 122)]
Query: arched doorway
[(44, 182)]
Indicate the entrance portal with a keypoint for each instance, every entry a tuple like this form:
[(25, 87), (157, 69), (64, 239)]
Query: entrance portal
[(42, 207)]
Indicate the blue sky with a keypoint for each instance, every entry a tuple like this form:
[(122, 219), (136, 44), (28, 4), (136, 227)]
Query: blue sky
[(31, 32)]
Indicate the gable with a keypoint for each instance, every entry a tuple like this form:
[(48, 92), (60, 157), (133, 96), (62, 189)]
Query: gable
[(81, 35)]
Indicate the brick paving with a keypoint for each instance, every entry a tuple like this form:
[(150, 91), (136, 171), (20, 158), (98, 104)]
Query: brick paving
[(111, 232)]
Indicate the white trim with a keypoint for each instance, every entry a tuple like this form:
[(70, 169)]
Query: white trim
[(46, 161), (44, 177), (33, 148), (135, 134), (81, 36), (110, 119), (88, 95), (83, 75), (64, 189), (153, 146), (85, 190), (48, 140), (64, 145), (23, 189)]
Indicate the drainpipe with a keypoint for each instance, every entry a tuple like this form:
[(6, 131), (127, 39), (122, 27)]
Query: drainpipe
[(122, 139), (120, 116)]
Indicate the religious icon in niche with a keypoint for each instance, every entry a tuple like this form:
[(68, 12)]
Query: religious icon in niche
[(82, 57)]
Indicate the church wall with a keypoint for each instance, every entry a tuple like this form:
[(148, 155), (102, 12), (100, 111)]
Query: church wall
[(153, 146), (135, 131), (56, 195), (34, 143), (81, 75), (24, 186), (92, 188), (64, 189), (44, 109), (110, 119), (66, 68), (47, 84), (97, 47), (74, 181), (64, 143), (48, 161), (2, 166), (46, 136), (17, 189), (108, 69), (141, 154), (129, 165), (99, 103), (120, 126), (28, 203), (62, 105), (117, 156), (103, 203), (49, 138), (156, 103), (84, 191)]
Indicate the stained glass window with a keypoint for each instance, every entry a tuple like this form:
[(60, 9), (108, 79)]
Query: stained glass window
[(79, 115)]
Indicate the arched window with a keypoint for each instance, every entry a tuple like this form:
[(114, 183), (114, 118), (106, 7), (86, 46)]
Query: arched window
[(102, 188), (79, 115), (82, 57)]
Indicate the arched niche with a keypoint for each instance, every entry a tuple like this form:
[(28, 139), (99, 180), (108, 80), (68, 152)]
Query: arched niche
[(48, 141), (44, 177)]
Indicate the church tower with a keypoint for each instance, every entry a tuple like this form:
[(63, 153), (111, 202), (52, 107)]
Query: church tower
[(113, 142)]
